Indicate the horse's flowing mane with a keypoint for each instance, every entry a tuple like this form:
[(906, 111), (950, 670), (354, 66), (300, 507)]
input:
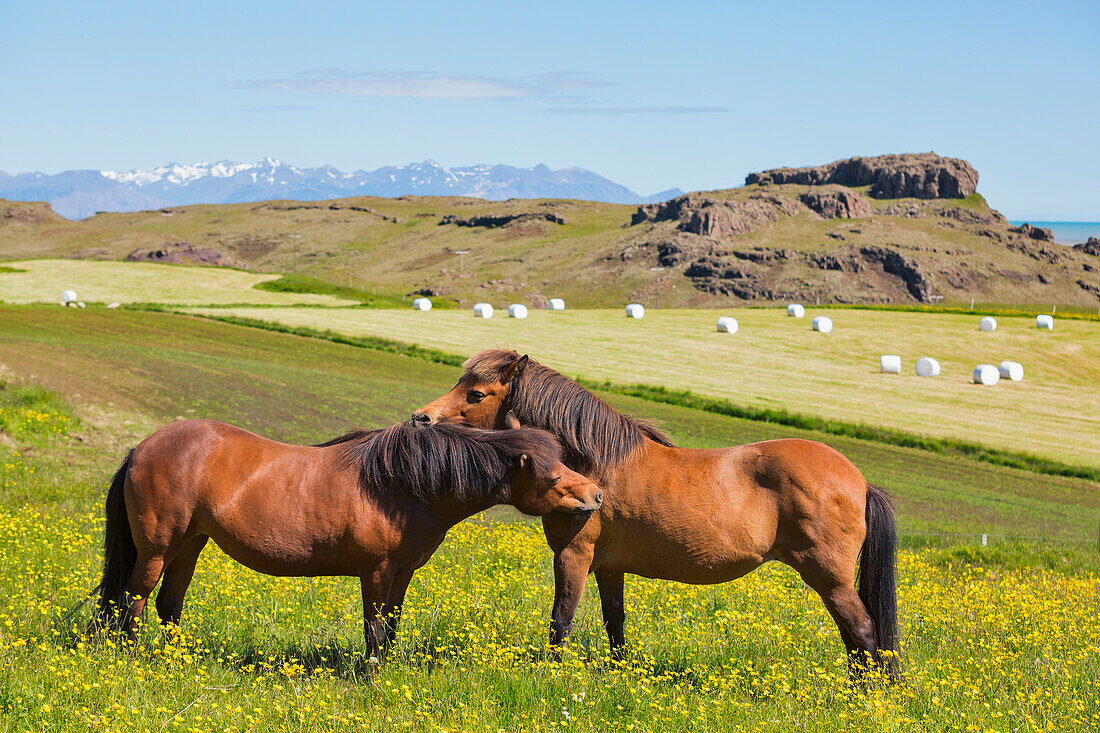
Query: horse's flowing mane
[(593, 434), (445, 460)]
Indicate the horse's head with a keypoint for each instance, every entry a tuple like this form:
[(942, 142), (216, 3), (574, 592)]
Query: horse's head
[(557, 490), (482, 396)]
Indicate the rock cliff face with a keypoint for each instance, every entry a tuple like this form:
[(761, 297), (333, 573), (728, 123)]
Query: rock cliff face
[(716, 217), (912, 175), (181, 253), (835, 202)]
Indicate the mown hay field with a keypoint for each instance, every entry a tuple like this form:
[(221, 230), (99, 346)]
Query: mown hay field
[(42, 281), (997, 638), (778, 362)]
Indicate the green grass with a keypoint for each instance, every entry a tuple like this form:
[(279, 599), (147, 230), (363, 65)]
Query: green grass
[(42, 281), (1001, 637), (7, 268), (293, 283), (776, 363)]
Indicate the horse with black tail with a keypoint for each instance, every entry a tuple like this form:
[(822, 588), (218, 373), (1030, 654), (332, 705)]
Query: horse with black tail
[(695, 516), (370, 504)]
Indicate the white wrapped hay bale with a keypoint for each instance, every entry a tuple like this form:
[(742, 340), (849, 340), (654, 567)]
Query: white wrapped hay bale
[(635, 310), (112, 306), (889, 364), (557, 304), (986, 374), (68, 296), (726, 324), (928, 367), (1044, 320), (989, 323), (1013, 370), (80, 304), (517, 310), (422, 304), (483, 310), (823, 324), (794, 310)]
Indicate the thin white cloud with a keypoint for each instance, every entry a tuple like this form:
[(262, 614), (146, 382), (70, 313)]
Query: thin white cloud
[(636, 110), (427, 84)]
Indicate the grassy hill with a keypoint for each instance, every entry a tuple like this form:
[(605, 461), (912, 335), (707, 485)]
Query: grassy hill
[(596, 254)]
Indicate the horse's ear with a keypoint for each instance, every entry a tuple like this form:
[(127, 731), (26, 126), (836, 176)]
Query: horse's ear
[(513, 370), (511, 421)]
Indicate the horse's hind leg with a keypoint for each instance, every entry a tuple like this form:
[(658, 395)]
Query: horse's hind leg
[(143, 578), (847, 609), (177, 577)]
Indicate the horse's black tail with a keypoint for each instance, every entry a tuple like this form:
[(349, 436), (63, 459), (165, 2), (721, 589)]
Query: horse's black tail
[(119, 551), (877, 573)]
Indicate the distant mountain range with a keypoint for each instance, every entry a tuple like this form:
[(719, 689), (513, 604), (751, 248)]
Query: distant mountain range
[(79, 194)]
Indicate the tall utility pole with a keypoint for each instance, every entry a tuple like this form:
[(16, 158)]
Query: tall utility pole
[(461, 258), (658, 271)]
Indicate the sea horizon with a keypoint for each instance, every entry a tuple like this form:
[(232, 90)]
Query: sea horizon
[(1065, 232)]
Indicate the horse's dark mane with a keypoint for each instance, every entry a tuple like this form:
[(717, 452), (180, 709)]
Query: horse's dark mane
[(592, 433), (445, 460)]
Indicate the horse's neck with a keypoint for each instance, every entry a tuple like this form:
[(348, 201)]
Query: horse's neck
[(449, 512)]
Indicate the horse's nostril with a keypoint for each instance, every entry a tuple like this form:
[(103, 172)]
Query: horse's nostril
[(599, 497), (421, 418)]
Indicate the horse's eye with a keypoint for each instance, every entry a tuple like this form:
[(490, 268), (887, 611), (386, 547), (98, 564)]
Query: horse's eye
[(473, 396)]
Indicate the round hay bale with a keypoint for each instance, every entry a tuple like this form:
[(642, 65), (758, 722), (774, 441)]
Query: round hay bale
[(68, 296), (889, 364), (823, 324), (928, 367), (517, 310), (483, 310), (1013, 370), (635, 310), (422, 304), (986, 374), (80, 304), (794, 310), (112, 306), (989, 323), (1044, 320), (726, 324), (557, 304)]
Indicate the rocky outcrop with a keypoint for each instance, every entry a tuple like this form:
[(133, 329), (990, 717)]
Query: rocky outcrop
[(717, 217), (1037, 233), (30, 212), (181, 253), (835, 202), (746, 273), (1091, 247), (500, 220), (913, 175)]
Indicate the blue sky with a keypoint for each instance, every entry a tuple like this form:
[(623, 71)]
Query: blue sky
[(651, 95)]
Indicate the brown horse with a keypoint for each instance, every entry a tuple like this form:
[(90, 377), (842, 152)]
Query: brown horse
[(370, 504), (695, 516)]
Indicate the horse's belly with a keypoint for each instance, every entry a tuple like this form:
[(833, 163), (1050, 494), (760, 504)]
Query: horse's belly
[(282, 556), (687, 556)]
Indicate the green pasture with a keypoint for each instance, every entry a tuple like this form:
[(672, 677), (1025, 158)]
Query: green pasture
[(778, 362), (996, 638), (999, 637), (42, 281)]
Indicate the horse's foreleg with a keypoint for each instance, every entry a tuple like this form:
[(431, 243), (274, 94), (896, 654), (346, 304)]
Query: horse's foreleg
[(391, 613), (571, 567), (177, 577), (376, 593), (610, 584)]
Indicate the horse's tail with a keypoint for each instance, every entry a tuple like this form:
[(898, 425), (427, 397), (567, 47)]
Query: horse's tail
[(877, 573), (119, 550)]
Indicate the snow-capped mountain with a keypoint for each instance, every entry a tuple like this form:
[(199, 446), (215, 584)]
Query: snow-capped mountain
[(78, 194)]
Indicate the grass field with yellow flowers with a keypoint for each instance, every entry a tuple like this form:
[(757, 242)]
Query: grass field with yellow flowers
[(995, 638)]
